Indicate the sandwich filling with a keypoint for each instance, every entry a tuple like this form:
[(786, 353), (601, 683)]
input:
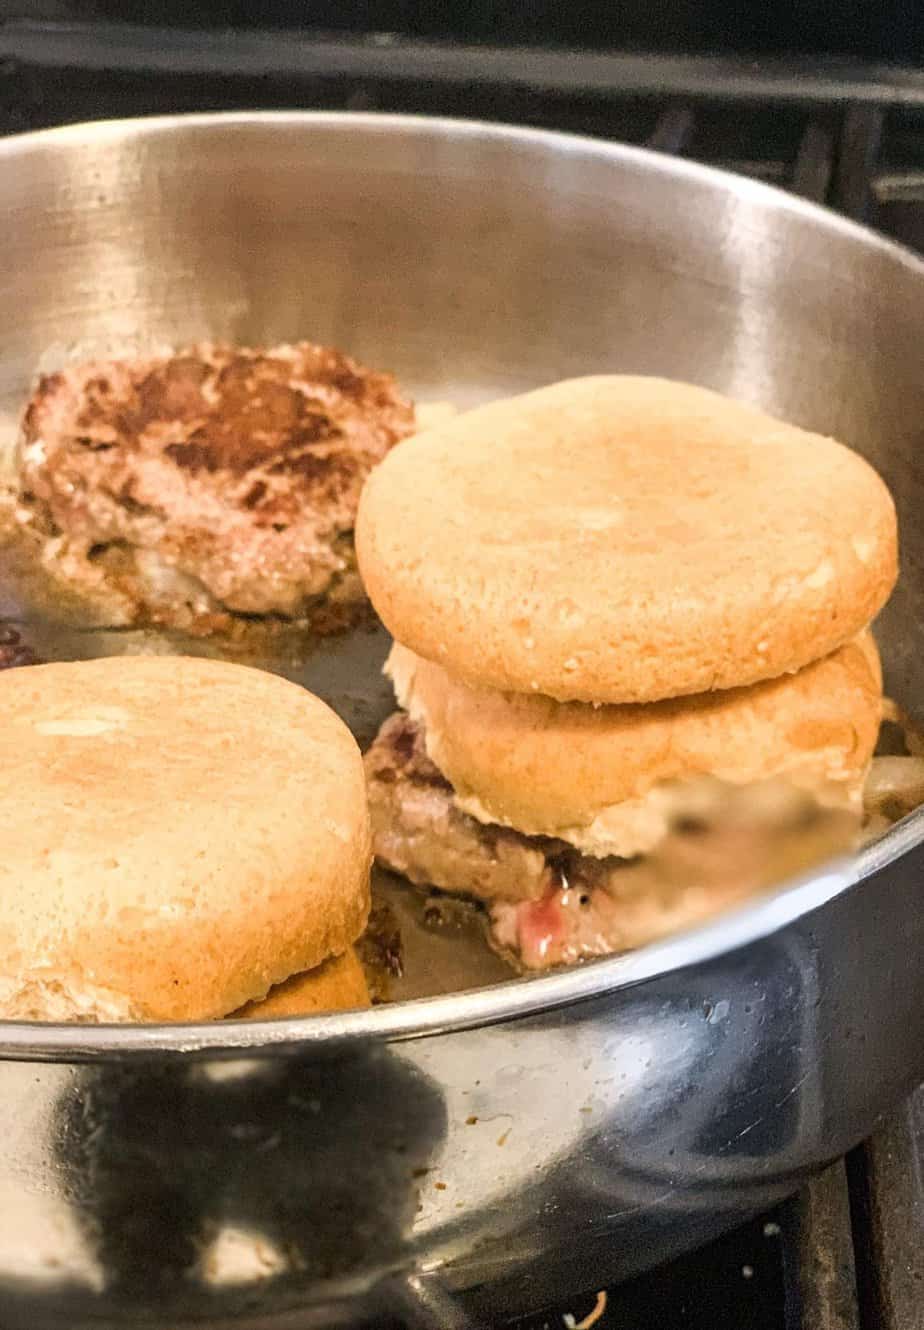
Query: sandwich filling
[(548, 902)]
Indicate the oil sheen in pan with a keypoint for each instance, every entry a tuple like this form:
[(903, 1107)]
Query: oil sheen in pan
[(443, 945)]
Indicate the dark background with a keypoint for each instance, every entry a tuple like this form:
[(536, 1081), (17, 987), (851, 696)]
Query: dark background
[(877, 29)]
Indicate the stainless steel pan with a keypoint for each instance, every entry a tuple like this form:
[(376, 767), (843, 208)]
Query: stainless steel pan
[(508, 1143)]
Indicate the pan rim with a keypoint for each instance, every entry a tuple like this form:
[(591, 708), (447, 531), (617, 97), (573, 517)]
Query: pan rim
[(515, 998)]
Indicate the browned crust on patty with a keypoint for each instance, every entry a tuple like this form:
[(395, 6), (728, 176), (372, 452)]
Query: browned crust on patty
[(217, 479)]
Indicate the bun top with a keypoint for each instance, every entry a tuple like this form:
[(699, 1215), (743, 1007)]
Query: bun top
[(178, 836), (619, 539)]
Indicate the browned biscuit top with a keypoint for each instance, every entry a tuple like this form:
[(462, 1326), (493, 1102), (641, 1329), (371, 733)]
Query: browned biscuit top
[(179, 836), (620, 539)]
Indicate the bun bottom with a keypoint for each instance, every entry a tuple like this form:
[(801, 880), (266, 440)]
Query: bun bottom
[(612, 780), (337, 985)]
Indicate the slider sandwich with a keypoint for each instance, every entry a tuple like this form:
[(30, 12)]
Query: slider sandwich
[(632, 657), (183, 840)]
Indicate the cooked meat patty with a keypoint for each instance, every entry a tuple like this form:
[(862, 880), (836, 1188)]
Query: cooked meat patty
[(13, 650), (217, 479), (417, 829), (549, 904)]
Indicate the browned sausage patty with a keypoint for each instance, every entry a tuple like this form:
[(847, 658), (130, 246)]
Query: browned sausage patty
[(218, 479)]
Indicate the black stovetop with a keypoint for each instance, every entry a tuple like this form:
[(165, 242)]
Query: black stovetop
[(737, 1283), (848, 1252), (874, 29)]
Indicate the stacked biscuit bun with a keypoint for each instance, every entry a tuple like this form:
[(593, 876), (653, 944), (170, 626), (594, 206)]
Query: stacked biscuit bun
[(183, 840), (632, 656)]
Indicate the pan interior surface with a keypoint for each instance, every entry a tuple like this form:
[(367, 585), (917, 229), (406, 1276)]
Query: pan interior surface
[(474, 262)]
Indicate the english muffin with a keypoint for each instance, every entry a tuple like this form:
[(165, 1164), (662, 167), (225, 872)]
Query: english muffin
[(619, 540)]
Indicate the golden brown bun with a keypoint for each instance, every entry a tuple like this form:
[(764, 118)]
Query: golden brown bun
[(620, 539), (177, 836), (337, 985), (610, 779)]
